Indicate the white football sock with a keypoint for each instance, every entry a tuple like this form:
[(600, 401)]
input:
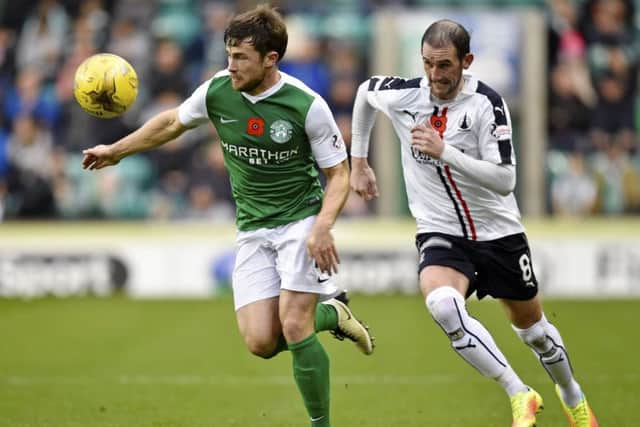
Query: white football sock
[(546, 343), (470, 339)]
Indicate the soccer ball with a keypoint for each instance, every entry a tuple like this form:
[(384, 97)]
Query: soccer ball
[(105, 85)]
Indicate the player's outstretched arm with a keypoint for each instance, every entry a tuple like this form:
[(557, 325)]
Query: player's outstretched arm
[(363, 179), (320, 243), (160, 129)]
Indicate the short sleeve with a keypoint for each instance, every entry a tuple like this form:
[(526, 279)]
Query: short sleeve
[(384, 92), (324, 136), (193, 111)]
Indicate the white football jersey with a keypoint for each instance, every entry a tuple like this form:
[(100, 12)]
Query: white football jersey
[(477, 123)]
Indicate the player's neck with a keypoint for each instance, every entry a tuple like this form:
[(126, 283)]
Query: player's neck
[(451, 96), (270, 80)]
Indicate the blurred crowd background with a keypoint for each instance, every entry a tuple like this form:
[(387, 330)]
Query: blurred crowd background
[(593, 165)]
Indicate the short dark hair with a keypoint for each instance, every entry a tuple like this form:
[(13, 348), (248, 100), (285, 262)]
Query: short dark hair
[(442, 32), (265, 28)]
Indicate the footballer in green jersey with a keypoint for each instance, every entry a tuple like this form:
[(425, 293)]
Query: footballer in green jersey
[(273, 131), (270, 143)]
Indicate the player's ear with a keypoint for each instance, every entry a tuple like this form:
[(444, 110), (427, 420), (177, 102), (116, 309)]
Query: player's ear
[(271, 58), (467, 60)]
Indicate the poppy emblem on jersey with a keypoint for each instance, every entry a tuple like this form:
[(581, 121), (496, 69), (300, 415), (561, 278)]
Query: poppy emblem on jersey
[(281, 131), (465, 123), (255, 126), (439, 122)]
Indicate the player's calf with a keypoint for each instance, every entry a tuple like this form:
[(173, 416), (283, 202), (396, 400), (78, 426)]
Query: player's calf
[(546, 343), (470, 339)]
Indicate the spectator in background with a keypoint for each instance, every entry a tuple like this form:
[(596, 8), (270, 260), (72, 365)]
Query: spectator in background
[(168, 71), (574, 191), (571, 93), (33, 166), (167, 162), (130, 40), (81, 46), (619, 181), (138, 11), (568, 117), (4, 169), (97, 21), (209, 186), (42, 39), (30, 96), (176, 20), (304, 58), (124, 192), (31, 148), (613, 61), (7, 57), (208, 51)]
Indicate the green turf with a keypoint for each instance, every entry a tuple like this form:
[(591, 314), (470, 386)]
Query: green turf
[(119, 362)]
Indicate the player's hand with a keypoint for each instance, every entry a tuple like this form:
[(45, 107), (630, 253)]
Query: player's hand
[(98, 157), (426, 140), (363, 179), (322, 249)]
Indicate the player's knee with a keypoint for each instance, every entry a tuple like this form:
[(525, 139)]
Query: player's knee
[(535, 336), (446, 306), (295, 328), (261, 346)]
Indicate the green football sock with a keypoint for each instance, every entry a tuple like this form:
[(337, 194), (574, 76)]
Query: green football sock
[(326, 320), (311, 372)]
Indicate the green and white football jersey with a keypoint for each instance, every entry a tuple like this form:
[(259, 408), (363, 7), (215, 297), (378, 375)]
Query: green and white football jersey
[(270, 143)]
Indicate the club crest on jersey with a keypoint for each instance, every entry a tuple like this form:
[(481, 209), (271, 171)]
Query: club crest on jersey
[(464, 124), (281, 131)]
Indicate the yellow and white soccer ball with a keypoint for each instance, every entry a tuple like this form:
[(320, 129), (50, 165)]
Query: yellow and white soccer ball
[(105, 85)]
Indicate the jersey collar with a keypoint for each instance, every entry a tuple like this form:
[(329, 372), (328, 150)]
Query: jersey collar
[(469, 87), (267, 93)]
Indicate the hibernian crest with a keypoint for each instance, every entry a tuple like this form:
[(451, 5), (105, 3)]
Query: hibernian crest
[(281, 131)]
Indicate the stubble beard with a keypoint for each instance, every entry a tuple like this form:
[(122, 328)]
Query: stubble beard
[(250, 85), (450, 91)]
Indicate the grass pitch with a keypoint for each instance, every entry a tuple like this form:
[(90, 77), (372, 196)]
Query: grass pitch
[(119, 362)]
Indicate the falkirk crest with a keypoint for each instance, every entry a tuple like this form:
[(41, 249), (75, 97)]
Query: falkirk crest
[(465, 123)]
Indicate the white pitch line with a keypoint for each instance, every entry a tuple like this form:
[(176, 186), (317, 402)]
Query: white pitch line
[(17, 380), (284, 380)]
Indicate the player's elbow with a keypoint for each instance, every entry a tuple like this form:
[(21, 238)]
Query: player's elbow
[(338, 173), (172, 123), (507, 181), (504, 191)]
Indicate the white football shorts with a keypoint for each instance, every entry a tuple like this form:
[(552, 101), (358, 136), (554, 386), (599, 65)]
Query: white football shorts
[(270, 259)]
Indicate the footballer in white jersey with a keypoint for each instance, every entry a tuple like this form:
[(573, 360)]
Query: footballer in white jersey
[(477, 123), (459, 169)]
